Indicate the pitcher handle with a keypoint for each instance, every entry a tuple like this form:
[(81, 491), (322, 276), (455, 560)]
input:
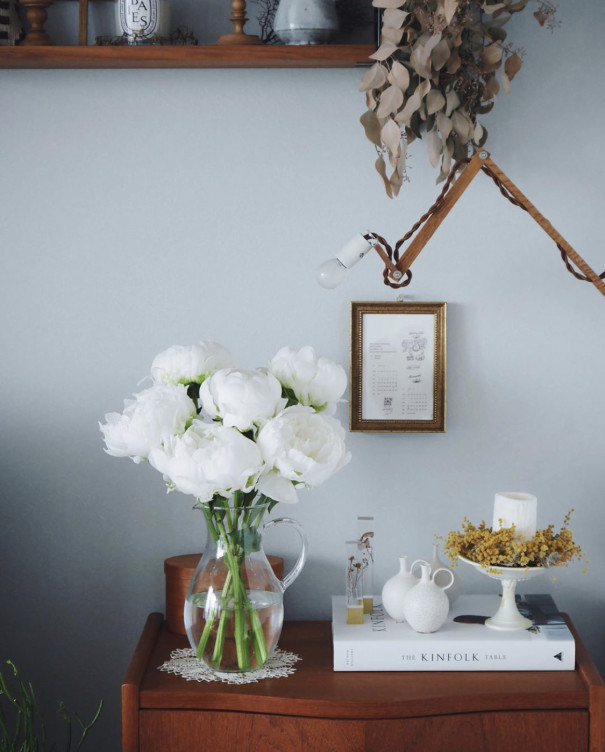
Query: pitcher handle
[(449, 571), (297, 568), (420, 561)]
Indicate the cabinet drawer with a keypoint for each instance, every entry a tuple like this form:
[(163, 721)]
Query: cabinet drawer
[(198, 731)]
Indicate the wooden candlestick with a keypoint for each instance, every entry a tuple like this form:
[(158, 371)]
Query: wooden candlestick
[(35, 13), (238, 19)]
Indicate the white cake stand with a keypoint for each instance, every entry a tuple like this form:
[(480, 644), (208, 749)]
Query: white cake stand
[(507, 617)]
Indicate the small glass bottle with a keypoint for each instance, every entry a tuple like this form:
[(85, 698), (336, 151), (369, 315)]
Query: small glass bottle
[(143, 21), (365, 527), (354, 593)]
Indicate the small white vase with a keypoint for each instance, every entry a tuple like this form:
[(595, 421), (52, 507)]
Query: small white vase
[(305, 21), (443, 578), (396, 588), (426, 606)]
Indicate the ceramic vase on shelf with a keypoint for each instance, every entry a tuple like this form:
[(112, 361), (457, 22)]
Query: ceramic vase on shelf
[(234, 606), (426, 605), (305, 21), (443, 578), (395, 589)]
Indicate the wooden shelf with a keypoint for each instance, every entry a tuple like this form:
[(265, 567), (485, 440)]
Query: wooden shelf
[(202, 56)]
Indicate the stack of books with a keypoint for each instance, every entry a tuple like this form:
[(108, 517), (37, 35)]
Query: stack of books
[(463, 643)]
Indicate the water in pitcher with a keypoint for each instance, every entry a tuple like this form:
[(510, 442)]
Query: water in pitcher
[(267, 604)]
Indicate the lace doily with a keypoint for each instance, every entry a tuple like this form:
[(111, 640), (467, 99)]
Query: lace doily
[(184, 663)]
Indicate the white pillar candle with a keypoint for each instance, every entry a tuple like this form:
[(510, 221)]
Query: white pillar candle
[(518, 509)]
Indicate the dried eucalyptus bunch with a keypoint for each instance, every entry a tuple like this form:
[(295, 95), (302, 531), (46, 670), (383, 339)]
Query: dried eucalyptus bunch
[(439, 66)]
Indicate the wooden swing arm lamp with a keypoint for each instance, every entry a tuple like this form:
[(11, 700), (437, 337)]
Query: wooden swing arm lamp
[(397, 267)]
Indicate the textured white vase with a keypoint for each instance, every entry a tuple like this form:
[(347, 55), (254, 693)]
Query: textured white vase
[(396, 588), (442, 578), (426, 606), (305, 21)]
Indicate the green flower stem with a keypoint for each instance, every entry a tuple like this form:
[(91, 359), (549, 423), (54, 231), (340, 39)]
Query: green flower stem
[(240, 599), (226, 525), (260, 644)]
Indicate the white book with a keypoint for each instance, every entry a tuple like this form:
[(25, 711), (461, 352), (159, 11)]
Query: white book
[(463, 643)]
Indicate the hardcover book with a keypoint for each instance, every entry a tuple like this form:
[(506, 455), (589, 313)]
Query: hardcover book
[(464, 643)]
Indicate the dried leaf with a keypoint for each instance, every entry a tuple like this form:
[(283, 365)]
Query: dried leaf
[(491, 88), (446, 162), (540, 16), (374, 78), (393, 18), (371, 102), (434, 101), (399, 76), (419, 62), (492, 8), (452, 100), (453, 63), (496, 33), (505, 82), (449, 9), (483, 138), (396, 181), (445, 125), (432, 42), (391, 136), (477, 133), (391, 35), (463, 126), (387, 3), (512, 66), (391, 100), (491, 56), (385, 50), (421, 54), (413, 103), (381, 169), (433, 147), (440, 55), (371, 127)]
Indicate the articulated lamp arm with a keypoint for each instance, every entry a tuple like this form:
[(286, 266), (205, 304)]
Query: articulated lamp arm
[(397, 268)]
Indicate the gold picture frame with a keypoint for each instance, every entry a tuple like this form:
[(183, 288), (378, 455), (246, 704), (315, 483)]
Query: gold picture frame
[(398, 367)]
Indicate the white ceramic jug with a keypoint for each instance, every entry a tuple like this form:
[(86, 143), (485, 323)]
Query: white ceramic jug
[(396, 588), (305, 21), (426, 606), (441, 579)]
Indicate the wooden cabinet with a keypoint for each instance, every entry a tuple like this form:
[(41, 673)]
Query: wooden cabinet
[(202, 56), (317, 709)]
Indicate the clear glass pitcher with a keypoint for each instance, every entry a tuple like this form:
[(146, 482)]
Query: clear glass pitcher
[(234, 606)]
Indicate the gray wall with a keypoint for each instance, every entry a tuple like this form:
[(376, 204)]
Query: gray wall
[(146, 208)]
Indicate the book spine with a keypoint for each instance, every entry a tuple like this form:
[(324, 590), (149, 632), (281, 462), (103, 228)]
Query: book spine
[(551, 655)]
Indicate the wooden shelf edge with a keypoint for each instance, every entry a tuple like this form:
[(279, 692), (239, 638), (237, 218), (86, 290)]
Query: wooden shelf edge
[(201, 56)]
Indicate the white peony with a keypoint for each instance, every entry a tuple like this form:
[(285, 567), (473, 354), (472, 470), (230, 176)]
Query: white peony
[(182, 364), (208, 459), (314, 381), (299, 447), (241, 399), (153, 416)]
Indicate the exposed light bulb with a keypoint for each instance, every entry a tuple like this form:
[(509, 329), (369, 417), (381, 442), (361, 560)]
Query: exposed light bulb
[(331, 273)]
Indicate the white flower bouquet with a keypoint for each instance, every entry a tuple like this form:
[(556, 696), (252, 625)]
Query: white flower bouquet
[(239, 441)]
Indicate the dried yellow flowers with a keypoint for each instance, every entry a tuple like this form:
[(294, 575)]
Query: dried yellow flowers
[(489, 549)]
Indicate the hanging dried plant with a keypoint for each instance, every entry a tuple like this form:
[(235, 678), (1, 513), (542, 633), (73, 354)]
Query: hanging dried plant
[(439, 66)]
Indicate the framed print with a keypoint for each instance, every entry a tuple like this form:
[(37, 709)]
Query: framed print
[(398, 367)]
